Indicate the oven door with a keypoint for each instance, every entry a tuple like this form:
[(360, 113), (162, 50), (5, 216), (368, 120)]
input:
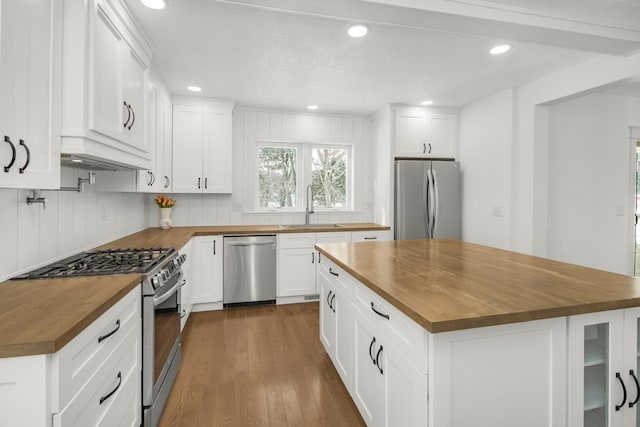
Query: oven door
[(161, 338)]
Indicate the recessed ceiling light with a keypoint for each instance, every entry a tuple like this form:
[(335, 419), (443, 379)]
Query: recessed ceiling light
[(427, 102), (497, 50), (194, 88), (312, 107), (358, 30), (154, 4)]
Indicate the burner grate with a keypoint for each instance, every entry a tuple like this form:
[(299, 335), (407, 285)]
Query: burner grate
[(102, 262)]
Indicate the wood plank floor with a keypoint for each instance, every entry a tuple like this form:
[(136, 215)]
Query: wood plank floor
[(257, 366)]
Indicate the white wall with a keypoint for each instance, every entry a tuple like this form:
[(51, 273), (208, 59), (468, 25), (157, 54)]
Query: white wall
[(250, 125), (383, 160), (71, 222), (589, 208), (485, 138)]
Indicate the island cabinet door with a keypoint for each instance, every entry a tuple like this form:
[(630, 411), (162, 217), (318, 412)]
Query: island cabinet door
[(368, 382), (499, 376), (632, 365), (327, 317)]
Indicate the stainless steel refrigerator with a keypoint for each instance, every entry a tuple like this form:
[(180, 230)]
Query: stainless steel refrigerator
[(427, 199)]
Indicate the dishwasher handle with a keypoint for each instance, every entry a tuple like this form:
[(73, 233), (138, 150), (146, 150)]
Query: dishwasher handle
[(261, 243)]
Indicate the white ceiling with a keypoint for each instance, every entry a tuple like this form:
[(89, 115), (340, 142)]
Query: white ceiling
[(285, 54)]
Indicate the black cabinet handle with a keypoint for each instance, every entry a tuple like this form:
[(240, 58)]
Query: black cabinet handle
[(331, 271), (149, 178), (624, 392), (184, 313), (313, 257), (214, 247), (373, 341), (378, 360), (386, 316), (319, 257), (333, 298), (104, 337), (429, 148), (371, 238), (128, 113), (424, 148), (199, 183), (133, 118), (111, 393), (13, 153), (26, 164), (153, 178), (635, 380), (166, 181), (206, 180), (329, 296)]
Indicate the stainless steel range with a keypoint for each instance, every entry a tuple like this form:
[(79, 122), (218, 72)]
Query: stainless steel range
[(161, 352)]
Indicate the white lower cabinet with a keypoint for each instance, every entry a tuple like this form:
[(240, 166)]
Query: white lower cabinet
[(603, 373), (186, 291), (207, 270), (94, 380)]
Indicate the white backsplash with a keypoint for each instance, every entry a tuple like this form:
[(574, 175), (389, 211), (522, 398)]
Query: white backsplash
[(72, 222)]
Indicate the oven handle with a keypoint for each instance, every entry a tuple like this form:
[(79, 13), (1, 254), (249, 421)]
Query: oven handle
[(159, 299)]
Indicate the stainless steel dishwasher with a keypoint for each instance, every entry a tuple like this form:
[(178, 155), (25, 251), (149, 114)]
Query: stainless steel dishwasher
[(249, 270)]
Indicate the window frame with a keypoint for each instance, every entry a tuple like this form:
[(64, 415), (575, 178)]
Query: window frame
[(304, 174)]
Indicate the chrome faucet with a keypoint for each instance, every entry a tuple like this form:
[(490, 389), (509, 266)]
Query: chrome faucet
[(308, 211)]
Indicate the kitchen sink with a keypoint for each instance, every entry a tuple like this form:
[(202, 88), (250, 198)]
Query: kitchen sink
[(305, 226)]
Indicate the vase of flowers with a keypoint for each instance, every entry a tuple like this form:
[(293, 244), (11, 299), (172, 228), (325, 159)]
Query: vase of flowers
[(165, 204)]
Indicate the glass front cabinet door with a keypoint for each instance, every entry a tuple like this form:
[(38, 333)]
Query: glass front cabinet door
[(603, 369)]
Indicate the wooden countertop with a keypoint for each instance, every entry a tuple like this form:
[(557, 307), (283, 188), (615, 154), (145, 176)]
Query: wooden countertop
[(41, 316), (447, 285)]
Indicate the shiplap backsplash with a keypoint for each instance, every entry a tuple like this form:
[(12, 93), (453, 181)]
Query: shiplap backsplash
[(72, 222)]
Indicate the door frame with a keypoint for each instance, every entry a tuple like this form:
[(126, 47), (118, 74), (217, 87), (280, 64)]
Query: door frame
[(634, 142)]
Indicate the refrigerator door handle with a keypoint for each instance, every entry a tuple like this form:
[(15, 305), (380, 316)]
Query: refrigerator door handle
[(436, 199), (426, 190)]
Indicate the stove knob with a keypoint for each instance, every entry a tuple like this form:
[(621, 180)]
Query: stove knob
[(183, 258), (176, 262), (155, 282), (165, 274)]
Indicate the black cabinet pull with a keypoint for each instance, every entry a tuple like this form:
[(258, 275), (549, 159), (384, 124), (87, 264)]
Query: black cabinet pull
[(128, 113), (331, 271), (624, 392), (386, 316), (206, 180), (370, 238), (198, 183), (319, 257), (166, 181), (133, 117), (378, 360), (424, 148), (149, 178), (635, 380), (429, 148), (333, 308), (329, 296), (13, 153), (111, 393), (153, 178), (104, 337), (26, 164), (184, 313), (214, 247), (373, 341), (313, 257)]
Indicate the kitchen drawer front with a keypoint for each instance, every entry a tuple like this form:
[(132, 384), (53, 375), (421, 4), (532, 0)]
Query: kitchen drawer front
[(117, 384), (406, 335), (77, 361), (371, 236), (343, 282), (333, 237), (296, 240)]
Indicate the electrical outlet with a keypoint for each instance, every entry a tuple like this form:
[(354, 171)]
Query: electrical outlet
[(498, 211)]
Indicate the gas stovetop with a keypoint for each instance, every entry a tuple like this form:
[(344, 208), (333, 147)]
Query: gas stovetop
[(100, 263)]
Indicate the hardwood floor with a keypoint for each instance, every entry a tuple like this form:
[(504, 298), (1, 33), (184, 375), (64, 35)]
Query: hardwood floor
[(257, 366)]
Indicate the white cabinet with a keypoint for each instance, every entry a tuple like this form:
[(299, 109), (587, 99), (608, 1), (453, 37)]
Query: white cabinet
[(371, 236), (421, 132), (603, 369), (207, 269), (94, 380), (202, 146), (298, 260), (30, 51), (186, 291), (104, 86)]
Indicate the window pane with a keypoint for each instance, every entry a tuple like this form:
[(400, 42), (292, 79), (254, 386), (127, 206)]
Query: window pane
[(277, 173), (329, 177)]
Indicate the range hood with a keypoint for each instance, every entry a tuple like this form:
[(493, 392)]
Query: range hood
[(86, 162), (85, 153)]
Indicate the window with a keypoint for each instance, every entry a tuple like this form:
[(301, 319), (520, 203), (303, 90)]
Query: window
[(285, 171)]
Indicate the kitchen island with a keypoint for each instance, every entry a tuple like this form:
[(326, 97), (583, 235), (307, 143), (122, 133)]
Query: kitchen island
[(493, 338)]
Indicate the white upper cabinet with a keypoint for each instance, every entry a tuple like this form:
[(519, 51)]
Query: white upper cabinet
[(29, 73), (420, 132), (202, 146), (104, 87)]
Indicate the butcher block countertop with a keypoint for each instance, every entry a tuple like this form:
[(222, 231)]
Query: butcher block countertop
[(41, 316), (447, 285)]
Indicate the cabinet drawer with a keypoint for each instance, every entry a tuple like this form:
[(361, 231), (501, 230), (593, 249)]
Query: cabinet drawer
[(333, 237), (405, 334), (342, 281), (112, 396), (77, 361), (296, 240), (371, 236)]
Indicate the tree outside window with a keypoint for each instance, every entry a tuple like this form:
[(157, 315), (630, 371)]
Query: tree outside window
[(277, 176), (329, 177)]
